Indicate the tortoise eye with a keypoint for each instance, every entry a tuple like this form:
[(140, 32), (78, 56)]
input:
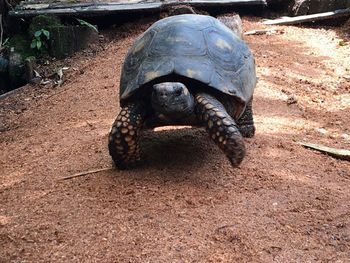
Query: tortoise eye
[(178, 91)]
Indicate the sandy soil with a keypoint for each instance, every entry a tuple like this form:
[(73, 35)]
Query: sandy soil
[(186, 204)]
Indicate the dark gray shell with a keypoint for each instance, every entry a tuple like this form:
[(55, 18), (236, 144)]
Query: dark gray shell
[(194, 46)]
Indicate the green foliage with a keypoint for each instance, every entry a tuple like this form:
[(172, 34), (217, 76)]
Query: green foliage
[(40, 39), (84, 23)]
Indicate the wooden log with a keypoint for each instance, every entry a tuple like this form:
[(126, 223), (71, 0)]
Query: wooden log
[(308, 18), (33, 9), (93, 9), (221, 2)]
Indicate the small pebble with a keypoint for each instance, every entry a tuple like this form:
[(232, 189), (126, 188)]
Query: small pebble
[(274, 205), (322, 131), (345, 136), (291, 100), (333, 136)]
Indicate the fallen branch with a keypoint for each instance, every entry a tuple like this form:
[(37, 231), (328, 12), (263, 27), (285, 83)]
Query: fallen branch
[(263, 32), (84, 173), (336, 153), (308, 18)]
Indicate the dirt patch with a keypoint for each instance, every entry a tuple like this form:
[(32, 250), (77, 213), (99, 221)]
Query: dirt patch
[(186, 204)]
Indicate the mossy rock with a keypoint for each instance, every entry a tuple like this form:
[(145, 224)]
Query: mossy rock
[(67, 40), (4, 63), (21, 45), (43, 22), (16, 70), (19, 50), (64, 40)]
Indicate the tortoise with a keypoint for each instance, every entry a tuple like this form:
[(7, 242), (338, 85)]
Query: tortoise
[(185, 70)]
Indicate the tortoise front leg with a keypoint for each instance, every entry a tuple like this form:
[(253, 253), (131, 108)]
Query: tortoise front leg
[(221, 127), (124, 136), (246, 122)]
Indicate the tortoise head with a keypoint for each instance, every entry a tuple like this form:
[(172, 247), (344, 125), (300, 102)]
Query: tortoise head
[(172, 99)]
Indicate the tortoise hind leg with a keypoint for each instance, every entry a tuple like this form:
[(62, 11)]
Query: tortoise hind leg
[(221, 127), (124, 136), (246, 122)]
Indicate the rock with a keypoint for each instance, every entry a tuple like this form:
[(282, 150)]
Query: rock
[(4, 63), (4, 81), (345, 136), (16, 69), (3, 128), (306, 7), (322, 131), (180, 10), (63, 40), (333, 136), (29, 65), (43, 22), (66, 40), (20, 50), (292, 99), (233, 22)]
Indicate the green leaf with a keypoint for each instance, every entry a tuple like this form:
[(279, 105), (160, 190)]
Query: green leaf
[(33, 44), (46, 33), (38, 44), (84, 23), (37, 33)]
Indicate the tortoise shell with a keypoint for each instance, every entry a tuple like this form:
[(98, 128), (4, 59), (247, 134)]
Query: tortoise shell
[(194, 46)]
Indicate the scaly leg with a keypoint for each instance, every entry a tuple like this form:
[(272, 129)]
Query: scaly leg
[(246, 122), (221, 127), (124, 136)]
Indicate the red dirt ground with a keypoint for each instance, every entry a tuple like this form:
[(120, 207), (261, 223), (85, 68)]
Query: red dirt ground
[(186, 204)]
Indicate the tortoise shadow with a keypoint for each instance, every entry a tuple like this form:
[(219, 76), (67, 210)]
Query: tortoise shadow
[(167, 148)]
